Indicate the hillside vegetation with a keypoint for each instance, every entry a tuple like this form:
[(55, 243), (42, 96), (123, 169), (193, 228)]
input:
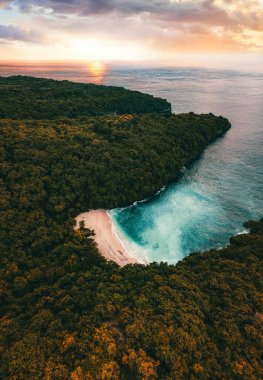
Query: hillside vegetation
[(36, 98), (66, 313)]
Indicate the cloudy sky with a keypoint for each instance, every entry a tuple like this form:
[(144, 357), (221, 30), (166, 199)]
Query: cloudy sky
[(172, 32)]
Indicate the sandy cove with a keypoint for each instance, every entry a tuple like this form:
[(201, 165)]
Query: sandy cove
[(108, 243)]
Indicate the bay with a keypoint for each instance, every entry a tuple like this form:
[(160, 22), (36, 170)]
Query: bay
[(218, 192)]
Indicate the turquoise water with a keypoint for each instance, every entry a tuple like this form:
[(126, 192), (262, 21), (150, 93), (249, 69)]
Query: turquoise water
[(222, 189)]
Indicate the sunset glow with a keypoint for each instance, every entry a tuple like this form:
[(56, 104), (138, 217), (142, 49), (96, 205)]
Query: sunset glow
[(165, 31), (97, 70)]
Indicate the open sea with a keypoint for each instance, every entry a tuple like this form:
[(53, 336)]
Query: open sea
[(221, 190)]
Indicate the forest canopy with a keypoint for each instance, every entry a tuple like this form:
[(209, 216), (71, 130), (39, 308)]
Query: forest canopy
[(36, 98), (67, 313)]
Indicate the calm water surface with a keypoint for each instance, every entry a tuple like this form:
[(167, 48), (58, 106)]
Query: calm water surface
[(218, 192)]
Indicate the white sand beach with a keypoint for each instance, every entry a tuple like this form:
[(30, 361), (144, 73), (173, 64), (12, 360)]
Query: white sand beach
[(108, 243)]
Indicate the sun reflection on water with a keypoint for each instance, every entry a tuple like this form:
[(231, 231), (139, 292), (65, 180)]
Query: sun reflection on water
[(97, 71)]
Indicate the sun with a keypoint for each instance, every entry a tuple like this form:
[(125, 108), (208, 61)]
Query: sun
[(96, 68)]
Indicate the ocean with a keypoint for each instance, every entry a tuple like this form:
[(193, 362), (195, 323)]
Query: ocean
[(217, 193)]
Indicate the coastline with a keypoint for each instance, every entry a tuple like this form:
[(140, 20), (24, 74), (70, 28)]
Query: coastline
[(109, 243)]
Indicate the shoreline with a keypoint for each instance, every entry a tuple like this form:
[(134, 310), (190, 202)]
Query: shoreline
[(109, 243)]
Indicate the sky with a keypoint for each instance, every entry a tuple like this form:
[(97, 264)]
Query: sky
[(211, 33)]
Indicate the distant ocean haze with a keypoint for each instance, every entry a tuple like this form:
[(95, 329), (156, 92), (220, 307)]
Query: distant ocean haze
[(217, 193)]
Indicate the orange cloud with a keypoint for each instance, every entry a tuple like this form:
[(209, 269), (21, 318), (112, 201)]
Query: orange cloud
[(131, 29)]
